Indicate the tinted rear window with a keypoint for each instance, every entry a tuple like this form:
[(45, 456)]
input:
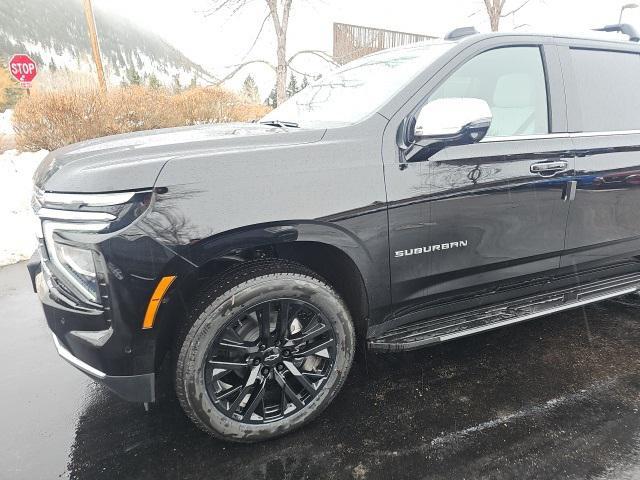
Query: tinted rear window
[(608, 89)]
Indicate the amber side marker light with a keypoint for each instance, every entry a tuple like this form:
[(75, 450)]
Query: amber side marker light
[(154, 302)]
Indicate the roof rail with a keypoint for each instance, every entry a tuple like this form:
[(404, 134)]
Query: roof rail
[(459, 33), (623, 28)]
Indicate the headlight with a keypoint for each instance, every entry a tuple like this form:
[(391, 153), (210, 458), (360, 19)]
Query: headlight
[(75, 263), (80, 263), (63, 215)]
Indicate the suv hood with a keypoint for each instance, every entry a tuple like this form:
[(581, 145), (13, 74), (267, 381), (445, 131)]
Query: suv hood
[(134, 160)]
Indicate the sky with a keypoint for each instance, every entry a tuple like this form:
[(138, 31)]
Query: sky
[(222, 40)]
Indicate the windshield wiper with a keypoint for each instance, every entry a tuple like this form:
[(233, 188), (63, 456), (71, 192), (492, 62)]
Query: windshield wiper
[(280, 123)]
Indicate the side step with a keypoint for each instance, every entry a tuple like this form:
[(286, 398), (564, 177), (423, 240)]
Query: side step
[(441, 329)]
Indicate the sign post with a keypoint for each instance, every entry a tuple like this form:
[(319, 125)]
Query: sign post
[(23, 69)]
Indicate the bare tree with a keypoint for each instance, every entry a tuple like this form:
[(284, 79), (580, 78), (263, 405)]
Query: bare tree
[(495, 10), (279, 12)]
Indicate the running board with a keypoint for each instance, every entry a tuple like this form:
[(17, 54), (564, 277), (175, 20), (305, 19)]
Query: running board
[(436, 330)]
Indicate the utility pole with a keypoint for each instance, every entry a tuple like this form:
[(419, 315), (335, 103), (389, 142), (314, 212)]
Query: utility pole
[(95, 47)]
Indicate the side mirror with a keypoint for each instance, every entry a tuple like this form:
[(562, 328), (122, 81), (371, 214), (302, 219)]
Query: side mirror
[(456, 121)]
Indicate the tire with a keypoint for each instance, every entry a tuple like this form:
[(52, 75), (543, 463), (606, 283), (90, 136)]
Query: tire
[(264, 351)]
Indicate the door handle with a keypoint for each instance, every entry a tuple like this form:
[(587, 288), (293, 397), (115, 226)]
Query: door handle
[(549, 168)]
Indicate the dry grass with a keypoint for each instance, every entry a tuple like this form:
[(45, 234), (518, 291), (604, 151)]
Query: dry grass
[(6, 82), (53, 119)]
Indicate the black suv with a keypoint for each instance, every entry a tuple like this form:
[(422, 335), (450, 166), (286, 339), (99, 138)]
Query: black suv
[(411, 197)]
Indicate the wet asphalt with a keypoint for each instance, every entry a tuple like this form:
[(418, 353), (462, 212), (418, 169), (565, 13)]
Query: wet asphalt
[(557, 397)]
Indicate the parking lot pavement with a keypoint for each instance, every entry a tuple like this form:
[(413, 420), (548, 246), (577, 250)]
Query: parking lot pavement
[(554, 398)]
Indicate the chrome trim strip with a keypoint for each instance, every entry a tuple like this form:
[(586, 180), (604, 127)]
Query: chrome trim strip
[(543, 136), (76, 362), (74, 215), (605, 134), (548, 136), (541, 313), (91, 200)]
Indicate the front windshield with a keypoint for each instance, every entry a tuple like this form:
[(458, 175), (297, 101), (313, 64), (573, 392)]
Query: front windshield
[(359, 88)]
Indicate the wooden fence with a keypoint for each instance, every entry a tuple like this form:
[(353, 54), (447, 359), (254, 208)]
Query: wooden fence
[(354, 41)]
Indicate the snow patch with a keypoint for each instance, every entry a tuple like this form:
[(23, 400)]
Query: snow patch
[(6, 127), (17, 235), (531, 411)]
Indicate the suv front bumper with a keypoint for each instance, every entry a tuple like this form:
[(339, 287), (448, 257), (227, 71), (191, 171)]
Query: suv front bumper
[(134, 388), (71, 346)]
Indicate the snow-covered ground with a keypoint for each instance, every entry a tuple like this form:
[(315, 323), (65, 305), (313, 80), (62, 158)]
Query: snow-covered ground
[(17, 232), (6, 127)]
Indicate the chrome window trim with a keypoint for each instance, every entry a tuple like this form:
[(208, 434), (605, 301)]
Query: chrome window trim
[(605, 134), (91, 200), (547, 136), (74, 215), (512, 138)]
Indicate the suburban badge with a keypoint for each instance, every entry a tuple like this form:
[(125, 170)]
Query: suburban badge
[(431, 248)]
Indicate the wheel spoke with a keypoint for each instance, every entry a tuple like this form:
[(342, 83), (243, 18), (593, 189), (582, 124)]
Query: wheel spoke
[(228, 393), (230, 335), (283, 402), (248, 386), (317, 329), (287, 390), (232, 341), (314, 376), (218, 373), (256, 400), (222, 365), (264, 319), (300, 377), (314, 349), (283, 320), (239, 347), (294, 311)]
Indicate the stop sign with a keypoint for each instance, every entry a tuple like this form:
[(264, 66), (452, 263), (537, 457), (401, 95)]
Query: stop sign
[(23, 68)]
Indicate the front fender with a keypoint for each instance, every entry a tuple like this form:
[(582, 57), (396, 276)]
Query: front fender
[(330, 192), (369, 255)]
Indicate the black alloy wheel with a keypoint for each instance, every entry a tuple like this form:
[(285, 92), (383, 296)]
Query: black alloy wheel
[(265, 349), (270, 361)]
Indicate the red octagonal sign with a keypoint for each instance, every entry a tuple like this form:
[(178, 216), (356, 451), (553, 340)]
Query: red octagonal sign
[(23, 68)]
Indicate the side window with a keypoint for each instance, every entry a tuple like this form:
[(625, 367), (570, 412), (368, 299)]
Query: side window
[(512, 81), (607, 87)]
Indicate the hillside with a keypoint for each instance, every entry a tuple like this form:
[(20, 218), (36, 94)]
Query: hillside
[(54, 33)]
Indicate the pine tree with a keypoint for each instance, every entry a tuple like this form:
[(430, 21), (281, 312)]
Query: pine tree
[(153, 81), (6, 85), (177, 87), (305, 83), (194, 81), (133, 77), (250, 89), (272, 99), (52, 66), (292, 88)]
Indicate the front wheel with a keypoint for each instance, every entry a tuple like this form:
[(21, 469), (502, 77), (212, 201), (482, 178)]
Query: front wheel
[(266, 350)]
